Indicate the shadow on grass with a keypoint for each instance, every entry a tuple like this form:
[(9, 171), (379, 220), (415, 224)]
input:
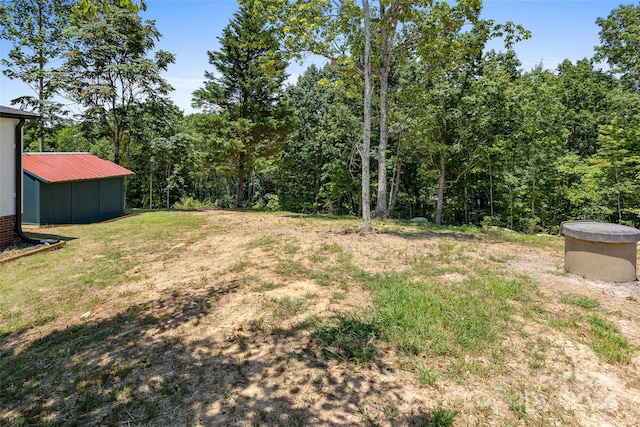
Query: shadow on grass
[(137, 367), (323, 217), (49, 236), (423, 233)]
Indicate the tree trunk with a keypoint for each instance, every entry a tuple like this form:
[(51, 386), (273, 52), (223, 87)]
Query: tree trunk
[(366, 133), (396, 188), (466, 206), (240, 182), (251, 186), (393, 198), (441, 182), (40, 121), (533, 190), (151, 190), (490, 190), (41, 63), (619, 202), (240, 191), (381, 203)]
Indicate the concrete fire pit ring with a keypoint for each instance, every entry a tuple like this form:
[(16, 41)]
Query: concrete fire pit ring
[(600, 250)]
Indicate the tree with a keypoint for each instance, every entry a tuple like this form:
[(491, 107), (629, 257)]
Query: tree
[(405, 27), (318, 169), (92, 7), (586, 95), (108, 72), (366, 134), (160, 154), (620, 43), (341, 32), (619, 158), (37, 30), (251, 121), (441, 88), (336, 31)]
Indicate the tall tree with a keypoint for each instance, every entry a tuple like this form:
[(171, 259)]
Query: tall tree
[(366, 134), (620, 43), (417, 25), (440, 87), (334, 30), (252, 120), (108, 72), (37, 31)]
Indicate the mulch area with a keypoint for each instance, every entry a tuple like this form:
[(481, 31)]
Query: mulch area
[(18, 249)]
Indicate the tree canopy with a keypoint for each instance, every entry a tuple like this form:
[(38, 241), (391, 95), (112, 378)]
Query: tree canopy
[(459, 135)]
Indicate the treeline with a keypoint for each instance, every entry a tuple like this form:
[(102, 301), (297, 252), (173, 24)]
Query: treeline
[(460, 136)]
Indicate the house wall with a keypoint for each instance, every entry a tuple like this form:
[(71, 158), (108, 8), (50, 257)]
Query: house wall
[(7, 230), (7, 166), (7, 180)]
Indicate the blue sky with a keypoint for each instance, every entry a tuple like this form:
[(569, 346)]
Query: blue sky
[(561, 29)]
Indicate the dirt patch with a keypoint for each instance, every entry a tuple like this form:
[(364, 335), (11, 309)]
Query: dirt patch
[(234, 311)]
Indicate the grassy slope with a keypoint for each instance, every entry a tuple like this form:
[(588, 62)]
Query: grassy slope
[(414, 311), (34, 290)]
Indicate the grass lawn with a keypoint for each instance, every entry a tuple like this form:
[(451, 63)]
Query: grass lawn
[(245, 318)]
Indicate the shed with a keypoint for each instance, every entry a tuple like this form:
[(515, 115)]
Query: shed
[(72, 188), (11, 122)]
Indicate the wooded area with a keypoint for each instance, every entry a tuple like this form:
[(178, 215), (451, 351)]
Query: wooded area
[(458, 134)]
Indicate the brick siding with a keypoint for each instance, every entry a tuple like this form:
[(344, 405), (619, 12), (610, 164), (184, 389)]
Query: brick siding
[(7, 230)]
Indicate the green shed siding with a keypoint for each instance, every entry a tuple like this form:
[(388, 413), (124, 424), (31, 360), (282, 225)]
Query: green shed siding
[(111, 197), (56, 203), (75, 202), (85, 201), (31, 200)]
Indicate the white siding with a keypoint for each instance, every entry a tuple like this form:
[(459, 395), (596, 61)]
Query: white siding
[(7, 166)]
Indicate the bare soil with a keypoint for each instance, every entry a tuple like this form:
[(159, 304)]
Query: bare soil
[(235, 360)]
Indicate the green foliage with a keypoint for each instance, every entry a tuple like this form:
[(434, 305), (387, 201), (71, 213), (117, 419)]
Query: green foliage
[(472, 138), (108, 73), (92, 7), (315, 171), (189, 203), (580, 301), (270, 202), (163, 156), (246, 122), (438, 417), (37, 31), (609, 342), (349, 338), (620, 40)]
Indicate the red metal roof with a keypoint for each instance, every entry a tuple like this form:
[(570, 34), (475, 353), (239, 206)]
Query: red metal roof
[(61, 167)]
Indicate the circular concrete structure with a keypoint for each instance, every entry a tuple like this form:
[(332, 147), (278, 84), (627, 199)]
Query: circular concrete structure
[(599, 250)]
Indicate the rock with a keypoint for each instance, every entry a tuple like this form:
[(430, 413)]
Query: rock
[(419, 219)]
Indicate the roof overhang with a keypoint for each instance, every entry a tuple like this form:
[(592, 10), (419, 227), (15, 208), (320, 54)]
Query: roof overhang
[(14, 113)]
